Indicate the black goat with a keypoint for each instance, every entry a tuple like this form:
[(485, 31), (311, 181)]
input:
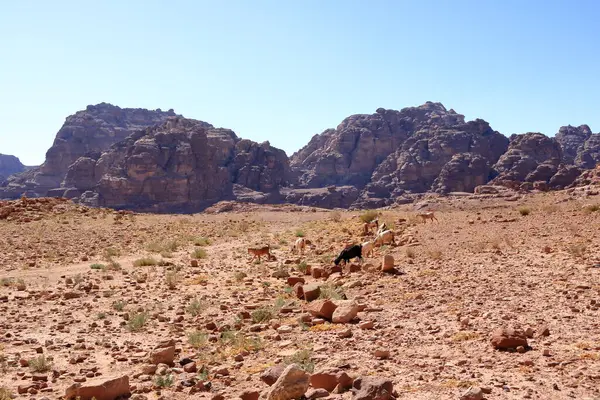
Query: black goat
[(349, 253)]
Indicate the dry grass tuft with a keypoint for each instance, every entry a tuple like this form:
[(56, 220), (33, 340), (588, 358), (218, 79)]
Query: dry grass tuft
[(524, 211), (464, 336), (369, 216)]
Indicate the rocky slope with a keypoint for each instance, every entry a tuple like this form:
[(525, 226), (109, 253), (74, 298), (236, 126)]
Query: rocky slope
[(86, 132), (179, 165), (9, 165)]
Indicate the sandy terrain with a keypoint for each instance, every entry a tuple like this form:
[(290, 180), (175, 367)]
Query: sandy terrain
[(75, 304)]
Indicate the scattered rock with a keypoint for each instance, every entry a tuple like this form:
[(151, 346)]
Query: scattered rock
[(504, 339), (292, 384), (99, 389)]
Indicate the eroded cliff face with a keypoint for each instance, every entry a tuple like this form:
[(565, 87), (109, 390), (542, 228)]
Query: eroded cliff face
[(349, 154), (84, 133), (179, 165), (158, 161), (9, 165)]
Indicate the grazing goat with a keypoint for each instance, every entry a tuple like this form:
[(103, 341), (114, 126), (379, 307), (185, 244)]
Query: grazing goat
[(368, 225), (367, 248), (260, 251), (384, 237), (427, 215), (382, 228), (349, 253), (301, 244)]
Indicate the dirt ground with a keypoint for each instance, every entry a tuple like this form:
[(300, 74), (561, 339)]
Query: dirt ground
[(89, 293)]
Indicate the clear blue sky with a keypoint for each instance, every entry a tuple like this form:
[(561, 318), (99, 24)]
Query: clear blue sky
[(284, 70)]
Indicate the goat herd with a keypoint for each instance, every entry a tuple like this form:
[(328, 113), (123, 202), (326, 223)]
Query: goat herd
[(383, 236)]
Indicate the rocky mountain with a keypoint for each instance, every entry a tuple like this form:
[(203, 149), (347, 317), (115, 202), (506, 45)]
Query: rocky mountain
[(9, 165), (159, 161), (178, 165), (84, 133)]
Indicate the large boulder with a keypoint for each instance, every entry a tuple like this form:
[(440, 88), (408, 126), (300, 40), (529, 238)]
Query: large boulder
[(105, 388), (292, 384)]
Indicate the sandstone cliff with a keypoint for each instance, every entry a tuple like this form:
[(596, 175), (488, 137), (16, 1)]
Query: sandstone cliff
[(86, 132), (179, 165), (9, 165)]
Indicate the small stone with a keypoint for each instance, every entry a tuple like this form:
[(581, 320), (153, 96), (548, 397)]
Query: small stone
[(382, 354), (387, 263), (311, 291), (472, 393), (345, 312)]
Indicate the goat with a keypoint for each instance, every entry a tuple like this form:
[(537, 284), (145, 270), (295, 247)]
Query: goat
[(367, 248), (260, 251), (349, 253), (384, 237), (301, 244), (382, 228), (368, 225), (427, 215)]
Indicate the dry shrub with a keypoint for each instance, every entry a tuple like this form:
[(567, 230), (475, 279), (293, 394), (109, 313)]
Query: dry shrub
[(435, 254), (369, 216), (577, 249), (524, 211), (410, 252), (336, 216)]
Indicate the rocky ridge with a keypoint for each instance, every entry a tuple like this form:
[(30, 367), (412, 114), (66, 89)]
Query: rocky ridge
[(157, 161), (9, 165), (85, 133)]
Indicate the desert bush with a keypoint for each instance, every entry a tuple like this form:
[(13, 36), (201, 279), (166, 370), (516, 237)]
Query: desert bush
[(145, 262), (435, 254), (119, 305), (196, 307), (201, 241), (410, 252), (199, 254), (369, 216), (137, 322), (20, 284), (239, 276), (329, 291), (40, 364), (590, 208), (5, 393), (524, 211), (101, 315), (299, 233), (302, 267), (164, 381), (110, 252), (197, 339), (303, 359), (577, 249), (171, 279), (263, 314), (98, 266), (336, 216)]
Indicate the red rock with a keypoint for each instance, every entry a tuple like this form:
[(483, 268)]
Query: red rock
[(270, 375), (250, 395), (292, 384), (100, 389), (508, 339), (329, 379), (372, 388), (387, 263), (190, 367), (345, 312), (293, 280), (311, 291), (323, 308)]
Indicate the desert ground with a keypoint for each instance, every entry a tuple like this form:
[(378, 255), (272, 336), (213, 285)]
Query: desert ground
[(88, 295)]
